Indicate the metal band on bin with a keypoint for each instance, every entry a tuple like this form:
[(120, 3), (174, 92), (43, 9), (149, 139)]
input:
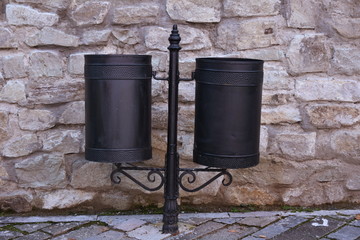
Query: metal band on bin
[(114, 72), (229, 78)]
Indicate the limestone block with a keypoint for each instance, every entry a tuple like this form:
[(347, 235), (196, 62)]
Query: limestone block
[(14, 66), (16, 203), (298, 146), (95, 37), (318, 89), (59, 91), (117, 200), (346, 143), (186, 67), (157, 90), (21, 145), (346, 8), (193, 39), (158, 139), (127, 36), (308, 53), (248, 194), (353, 182), (264, 139), (7, 39), (160, 62), (57, 4), (3, 173), (74, 113), (4, 120), (243, 8), (186, 145), (344, 17), (157, 38), (76, 63), (280, 114), (45, 64), (301, 14), (246, 34), (65, 198), (335, 193), (60, 140), (42, 171), (345, 60), (24, 15), (277, 78), (195, 11), (13, 92), (185, 119), (50, 36), (276, 98), (314, 194), (90, 13), (36, 119), (346, 27), (333, 115), (159, 115), (330, 174), (187, 91), (91, 175), (266, 54), (135, 14)]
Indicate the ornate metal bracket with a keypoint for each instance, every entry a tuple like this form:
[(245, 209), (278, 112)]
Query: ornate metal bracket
[(151, 176), (191, 177), (153, 173)]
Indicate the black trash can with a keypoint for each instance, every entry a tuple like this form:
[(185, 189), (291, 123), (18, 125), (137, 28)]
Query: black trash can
[(118, 108), (227, 112)]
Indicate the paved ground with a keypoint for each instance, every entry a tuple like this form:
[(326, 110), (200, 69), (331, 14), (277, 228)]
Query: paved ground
[(340, 224)]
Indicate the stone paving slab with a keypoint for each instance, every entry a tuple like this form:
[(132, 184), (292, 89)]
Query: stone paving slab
[(258, 221), (31, 227), (109, 235), (277, 228), (314, 229), (81, 218), (202, 230), (60, 228), (346, 233), (232, 232), (35, 236), (83, 233), (5, 235), (324, 225)]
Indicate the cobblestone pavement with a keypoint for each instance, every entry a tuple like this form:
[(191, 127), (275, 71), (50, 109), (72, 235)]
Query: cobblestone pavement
[(339, 224)]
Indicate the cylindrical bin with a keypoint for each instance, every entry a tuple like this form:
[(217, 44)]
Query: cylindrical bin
[(227, 112), (118, 108)]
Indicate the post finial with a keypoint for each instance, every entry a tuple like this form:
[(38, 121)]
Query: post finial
[(174, 39)]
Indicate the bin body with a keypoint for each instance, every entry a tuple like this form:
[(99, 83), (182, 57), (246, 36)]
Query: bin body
[(227, 112), (118, 108)]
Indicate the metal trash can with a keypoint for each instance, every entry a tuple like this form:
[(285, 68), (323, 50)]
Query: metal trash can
[(118, 108), (227, 112)]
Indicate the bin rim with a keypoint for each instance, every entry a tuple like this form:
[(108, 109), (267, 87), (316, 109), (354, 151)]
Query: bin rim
[(117, 59), (117, 55), (221, 64)]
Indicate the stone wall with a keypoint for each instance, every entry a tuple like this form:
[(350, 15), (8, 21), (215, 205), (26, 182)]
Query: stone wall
[(310, 138)]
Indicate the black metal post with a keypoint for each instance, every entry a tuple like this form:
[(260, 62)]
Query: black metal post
[(171, 189), (170, 176)]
